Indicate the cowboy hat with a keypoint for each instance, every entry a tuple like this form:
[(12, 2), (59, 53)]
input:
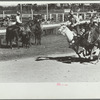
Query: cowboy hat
[(18, 12)]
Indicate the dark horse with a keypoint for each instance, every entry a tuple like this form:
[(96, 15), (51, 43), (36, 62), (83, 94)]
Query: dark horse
[(90, 40), (26, 34), (12, 33), (95, 38), (17, 33), (36, 31), (81, 41)]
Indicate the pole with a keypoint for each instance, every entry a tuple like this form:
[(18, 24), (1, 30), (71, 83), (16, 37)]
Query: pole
[(63, 17), (32, 13), (50, 16), (3, 14), (47, 11), (21, 11), (56, 17)]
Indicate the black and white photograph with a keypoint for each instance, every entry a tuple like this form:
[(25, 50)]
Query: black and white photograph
[(50, 42)]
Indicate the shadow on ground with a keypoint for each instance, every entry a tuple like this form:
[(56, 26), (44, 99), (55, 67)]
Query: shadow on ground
[(8, 47), (68, 59)]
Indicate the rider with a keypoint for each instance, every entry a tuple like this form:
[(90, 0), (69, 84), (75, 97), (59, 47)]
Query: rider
[(93, 25), (18, 21), (74, 20)]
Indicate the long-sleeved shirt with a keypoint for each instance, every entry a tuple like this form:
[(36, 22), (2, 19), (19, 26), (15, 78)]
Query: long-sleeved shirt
[(18, 19)]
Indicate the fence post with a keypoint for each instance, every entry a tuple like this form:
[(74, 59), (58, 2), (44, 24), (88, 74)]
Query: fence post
[(32, 13), (0, 41), (21, 11), (50, 16), (56, 17), (45, 17), (47, 11), (63, 17), (3, 15)]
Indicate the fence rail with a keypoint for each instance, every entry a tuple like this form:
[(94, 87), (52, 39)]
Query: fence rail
[(57, 17)]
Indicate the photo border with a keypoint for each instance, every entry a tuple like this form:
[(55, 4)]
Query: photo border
[(73, 90)]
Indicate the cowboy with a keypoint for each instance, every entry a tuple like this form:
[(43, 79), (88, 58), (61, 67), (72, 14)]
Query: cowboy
[(74, 20), (18, 21)]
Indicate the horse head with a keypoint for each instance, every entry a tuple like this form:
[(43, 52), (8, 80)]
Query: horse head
[(64, 30)]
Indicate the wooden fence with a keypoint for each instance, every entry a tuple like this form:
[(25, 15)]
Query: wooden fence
[(57, 17)]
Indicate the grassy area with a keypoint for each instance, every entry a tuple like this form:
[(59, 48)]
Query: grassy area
[(51, 44)]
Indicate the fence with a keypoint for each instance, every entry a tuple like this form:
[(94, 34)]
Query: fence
[(57, 17)]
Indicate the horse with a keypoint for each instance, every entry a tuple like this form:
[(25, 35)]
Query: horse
[(17, 33), (12, 32), (36, 28), (76, 41), (94, 38)]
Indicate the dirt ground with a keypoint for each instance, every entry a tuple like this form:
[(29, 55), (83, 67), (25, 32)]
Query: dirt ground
[(52, 61), (57, 68), (51, 44)]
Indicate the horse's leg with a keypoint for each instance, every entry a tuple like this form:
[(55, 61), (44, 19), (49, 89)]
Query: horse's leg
[(98, 56), (91, 55), (22, 44), (83, 52), (32, 38), (35, 38), (17, 44), (17, 41), (7, 42), (7, 39), (76, 50), (39, 40), (11, 43), (29, 42)]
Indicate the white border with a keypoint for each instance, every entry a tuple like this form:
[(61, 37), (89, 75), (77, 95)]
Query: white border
[(73, 90), (43, 2)]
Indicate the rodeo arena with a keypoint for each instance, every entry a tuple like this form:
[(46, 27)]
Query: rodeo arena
[(57, 43)]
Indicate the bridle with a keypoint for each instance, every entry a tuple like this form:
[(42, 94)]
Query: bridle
[(63, 30)]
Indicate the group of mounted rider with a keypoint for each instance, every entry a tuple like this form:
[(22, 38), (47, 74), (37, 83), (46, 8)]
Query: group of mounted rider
[(24, 32), (86, 35)]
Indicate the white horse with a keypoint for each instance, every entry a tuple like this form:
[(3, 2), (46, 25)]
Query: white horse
[(75, 44), (64, 30)]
